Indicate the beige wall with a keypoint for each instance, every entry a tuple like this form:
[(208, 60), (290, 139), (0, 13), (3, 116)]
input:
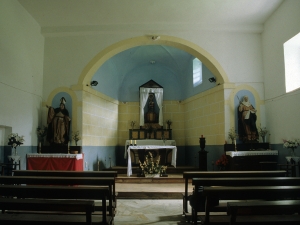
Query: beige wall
[(201, 114), (99, 119), (204, 115)]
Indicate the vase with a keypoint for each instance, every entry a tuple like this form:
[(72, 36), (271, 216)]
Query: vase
[(14, 151), (151, 175), (293, 152), (264, 139)]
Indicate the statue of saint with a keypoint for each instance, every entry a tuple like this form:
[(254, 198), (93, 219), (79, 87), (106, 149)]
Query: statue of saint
[(247, 121), (151, 116), (58, 121)]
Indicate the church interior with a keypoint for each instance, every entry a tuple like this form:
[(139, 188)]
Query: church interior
[(103, 86)]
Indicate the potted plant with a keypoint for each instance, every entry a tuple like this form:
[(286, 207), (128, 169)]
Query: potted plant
[(76, 137), (222, 162)]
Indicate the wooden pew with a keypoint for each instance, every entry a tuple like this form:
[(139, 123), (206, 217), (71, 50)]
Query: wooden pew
[(45, 205), (264, 208), (60, 173), (198, 203), (188, 175), (53, 192), (247, 193), (86, 181)]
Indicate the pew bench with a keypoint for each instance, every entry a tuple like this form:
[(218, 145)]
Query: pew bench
[(47, 193), (78, 174), (198, 200), (78, 181), (264, 208), (265, 193), (189, 175), (17, 206)]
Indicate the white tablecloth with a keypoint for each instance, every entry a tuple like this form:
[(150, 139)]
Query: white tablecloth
[(143, 147), (295, 158), (147, 142), (249, 153), (37, 155)]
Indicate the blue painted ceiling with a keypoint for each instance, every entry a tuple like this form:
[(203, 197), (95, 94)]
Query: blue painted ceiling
[(121, 76)]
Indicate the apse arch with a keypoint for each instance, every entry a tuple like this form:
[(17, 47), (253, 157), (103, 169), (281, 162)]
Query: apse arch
[(206, 58)]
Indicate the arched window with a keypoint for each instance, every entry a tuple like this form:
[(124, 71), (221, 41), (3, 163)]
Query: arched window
[(197, 72)]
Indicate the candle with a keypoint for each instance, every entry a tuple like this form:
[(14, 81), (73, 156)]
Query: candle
[(130, 141), (40, 144), (234, 141), (135, 142)]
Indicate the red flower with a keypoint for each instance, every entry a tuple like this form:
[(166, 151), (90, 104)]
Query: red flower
[(223, 161)]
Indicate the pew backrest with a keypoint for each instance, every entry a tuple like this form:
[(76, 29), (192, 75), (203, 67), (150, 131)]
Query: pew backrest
[(188, 175), (58, 192), (62, 173)]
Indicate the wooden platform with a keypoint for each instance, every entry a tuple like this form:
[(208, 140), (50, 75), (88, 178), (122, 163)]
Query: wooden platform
[(135, 187)]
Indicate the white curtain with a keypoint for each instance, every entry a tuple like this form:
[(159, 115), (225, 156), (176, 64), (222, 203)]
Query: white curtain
[(144, 93)]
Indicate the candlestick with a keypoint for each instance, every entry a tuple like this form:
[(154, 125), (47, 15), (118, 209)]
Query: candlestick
[(235, 148), (98, 165)]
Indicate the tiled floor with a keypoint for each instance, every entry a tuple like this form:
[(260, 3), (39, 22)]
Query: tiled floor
[(136, 211), (150, 211)]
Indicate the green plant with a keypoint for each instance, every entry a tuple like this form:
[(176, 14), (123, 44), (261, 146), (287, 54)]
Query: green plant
[(232, 134), (76, 137), (262, 131)]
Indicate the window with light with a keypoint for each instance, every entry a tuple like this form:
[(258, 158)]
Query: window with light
[(197, 72)]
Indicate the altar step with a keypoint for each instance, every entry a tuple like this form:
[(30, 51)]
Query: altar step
[(135, 187), (170, 169)]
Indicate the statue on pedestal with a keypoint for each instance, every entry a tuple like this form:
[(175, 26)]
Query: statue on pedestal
[(58, 121), (151, 115)]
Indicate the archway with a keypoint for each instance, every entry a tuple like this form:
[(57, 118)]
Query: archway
[(208, 60)]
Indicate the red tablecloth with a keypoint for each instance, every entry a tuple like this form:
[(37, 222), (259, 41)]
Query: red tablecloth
[(70, 162)]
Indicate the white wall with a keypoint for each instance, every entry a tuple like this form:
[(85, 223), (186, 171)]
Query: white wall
[(238, 52), (282, 110), (21, 70)]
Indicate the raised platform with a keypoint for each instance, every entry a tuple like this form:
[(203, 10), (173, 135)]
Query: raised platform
[(134, 187)]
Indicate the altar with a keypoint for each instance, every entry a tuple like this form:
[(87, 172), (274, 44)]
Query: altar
[(149, 145), (250, 160), (69, 162)]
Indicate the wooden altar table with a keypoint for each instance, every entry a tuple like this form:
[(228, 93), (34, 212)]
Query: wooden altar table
[(149, 147), (70, 162)]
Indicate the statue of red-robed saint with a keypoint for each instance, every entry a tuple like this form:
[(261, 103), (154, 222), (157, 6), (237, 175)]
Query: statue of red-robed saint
[(58, 121)]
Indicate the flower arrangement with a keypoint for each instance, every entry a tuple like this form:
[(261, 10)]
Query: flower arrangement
[(222, 162), (262, 131), (232, 134), (132, 123), (291, 143), (42, 132), (152, 167), (14, 140), (76, 137)]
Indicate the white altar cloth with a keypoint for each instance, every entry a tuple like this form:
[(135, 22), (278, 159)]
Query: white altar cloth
[(148, 142), (37, 155), (174, 153), (250, 153)]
